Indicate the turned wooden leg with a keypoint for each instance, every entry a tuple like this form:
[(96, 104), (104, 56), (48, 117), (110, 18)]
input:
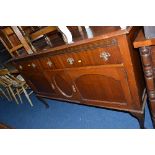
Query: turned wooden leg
[(43, 101), (140, 117), (152, 110), (148, 68)]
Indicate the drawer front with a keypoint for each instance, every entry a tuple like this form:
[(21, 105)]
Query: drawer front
[(101, 52), (92, 54), (31, 65)]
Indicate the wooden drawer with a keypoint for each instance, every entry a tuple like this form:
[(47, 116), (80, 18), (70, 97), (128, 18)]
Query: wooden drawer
[(32, 65), (97, 56)]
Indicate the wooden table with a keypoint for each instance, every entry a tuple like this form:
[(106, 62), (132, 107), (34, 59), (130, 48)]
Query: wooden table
[(147, 52)]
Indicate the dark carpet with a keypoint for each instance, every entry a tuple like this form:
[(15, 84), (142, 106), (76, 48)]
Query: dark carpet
[(63, 115)]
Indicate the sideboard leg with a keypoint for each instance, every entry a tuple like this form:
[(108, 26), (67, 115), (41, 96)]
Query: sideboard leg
[(153, 120), (43, 101), (140, 117), (152, 110)]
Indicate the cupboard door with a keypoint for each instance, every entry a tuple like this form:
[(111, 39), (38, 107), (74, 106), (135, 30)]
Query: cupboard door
[(63, 84), (38, 82), (102, 86)]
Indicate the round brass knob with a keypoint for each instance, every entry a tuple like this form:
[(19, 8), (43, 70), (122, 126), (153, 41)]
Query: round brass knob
[(79, 61)]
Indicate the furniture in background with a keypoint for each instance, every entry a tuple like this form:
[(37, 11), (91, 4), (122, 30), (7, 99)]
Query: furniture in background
[(14, 86), (15, 45), (22, 40), (4, 126), (3, 93), (147, 52), (4, 55), (103, 71), (149, 32), (5, 90)]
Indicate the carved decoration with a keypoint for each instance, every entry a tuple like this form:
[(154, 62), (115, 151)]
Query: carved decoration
[(92, 46)]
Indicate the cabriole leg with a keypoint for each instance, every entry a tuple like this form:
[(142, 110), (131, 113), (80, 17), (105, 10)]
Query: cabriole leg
[(43, 101), (140, 117)]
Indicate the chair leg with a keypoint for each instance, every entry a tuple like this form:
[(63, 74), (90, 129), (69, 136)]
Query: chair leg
[(27, 96), (13, 95), (4, 94), (9, 93), (19, 95)]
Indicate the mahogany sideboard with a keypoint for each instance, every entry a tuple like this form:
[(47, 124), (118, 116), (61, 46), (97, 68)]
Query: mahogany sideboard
[(147, 52), (103, 71)]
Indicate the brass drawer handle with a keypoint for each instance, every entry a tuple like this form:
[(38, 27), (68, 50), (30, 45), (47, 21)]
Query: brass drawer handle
[(73, 87), (49, 63), (70, 61), (105, 56), (20, 67), (33, 65)]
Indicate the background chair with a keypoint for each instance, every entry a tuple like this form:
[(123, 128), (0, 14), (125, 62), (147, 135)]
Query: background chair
[(3, 93), (14, 86)]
